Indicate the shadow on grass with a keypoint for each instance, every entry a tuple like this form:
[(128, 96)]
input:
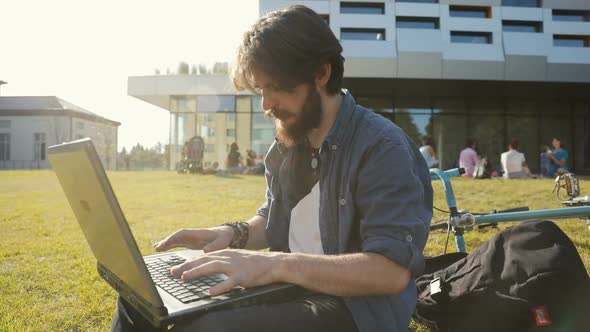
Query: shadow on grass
[(229, 176)]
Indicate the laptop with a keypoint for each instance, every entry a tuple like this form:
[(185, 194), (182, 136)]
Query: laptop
[(144, 282)]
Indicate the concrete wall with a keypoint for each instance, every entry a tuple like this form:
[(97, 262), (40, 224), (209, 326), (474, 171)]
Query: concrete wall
[(419, 53), (57, 129)]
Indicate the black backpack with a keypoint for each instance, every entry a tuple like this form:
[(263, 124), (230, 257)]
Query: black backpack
[(526, 278)]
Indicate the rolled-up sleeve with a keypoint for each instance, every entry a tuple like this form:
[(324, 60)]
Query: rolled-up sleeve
[(263, 209), (394, 204)]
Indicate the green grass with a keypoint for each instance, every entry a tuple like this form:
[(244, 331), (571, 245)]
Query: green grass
[(48, 279)]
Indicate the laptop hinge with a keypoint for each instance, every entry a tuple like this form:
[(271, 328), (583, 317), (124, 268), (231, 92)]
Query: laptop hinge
[(146, 309)]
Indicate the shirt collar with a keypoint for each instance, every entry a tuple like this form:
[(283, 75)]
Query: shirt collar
[(338, 132)]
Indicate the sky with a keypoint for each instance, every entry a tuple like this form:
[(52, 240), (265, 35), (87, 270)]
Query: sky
[(84, 51)]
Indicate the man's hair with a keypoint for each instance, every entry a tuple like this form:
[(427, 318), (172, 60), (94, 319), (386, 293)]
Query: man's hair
[(469, 142), (515, 143), (290, 46)]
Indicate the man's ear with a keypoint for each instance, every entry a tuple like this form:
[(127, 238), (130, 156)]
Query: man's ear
[(323, 76)]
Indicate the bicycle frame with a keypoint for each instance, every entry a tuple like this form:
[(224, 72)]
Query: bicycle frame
[(461, 222)]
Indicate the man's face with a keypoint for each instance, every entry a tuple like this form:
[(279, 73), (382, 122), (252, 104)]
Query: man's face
[(295, 111)]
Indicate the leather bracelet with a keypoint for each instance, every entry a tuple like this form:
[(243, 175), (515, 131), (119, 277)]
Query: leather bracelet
[(241, 232)]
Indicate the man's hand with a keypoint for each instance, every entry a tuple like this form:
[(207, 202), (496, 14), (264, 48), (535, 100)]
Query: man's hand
[(244, 268), (207, 239)]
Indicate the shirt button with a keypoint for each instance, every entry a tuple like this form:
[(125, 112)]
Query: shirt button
[(334, 147), (409, 238), (342, 201)]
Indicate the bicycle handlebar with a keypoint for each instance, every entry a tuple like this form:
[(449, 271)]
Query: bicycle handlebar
[(435, 173)]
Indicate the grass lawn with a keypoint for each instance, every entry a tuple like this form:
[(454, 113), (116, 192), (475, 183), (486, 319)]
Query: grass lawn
[(48, 278)]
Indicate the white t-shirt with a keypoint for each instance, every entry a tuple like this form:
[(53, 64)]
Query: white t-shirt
[(304, 229), (512, 162)]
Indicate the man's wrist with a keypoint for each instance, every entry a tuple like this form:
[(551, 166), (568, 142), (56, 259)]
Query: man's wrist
[(280, 267), (240, 233)]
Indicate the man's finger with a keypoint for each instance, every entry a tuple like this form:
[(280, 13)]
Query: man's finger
[(223, 287), (213, 267), (172, 241), (179, 269)]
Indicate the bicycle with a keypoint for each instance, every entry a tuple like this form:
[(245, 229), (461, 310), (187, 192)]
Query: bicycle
[(461, 221)]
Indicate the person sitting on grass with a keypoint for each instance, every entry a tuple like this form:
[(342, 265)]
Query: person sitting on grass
[(347, 206), (558, 157)]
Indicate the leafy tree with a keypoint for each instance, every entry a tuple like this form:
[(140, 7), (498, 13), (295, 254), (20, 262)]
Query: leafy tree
[(183, 68)]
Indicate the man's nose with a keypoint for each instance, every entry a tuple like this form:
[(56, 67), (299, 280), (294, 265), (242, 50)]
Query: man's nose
[(268, 102)]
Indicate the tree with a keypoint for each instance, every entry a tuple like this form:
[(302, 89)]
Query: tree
[(203, 69), (193, 70), (157, 71), (183, 68), (220, 68)]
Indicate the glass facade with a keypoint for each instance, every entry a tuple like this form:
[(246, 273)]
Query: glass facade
[(521, 3), (493, 123), (522, 26), (362, 34), (405, 22), (571, 41), (449, 121), (571, 15), (377, 8), (470, 11), (471, 37)]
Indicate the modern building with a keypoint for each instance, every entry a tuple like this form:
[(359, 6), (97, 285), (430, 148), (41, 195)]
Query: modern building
[(28, 125), (206, 106), (450, 69)]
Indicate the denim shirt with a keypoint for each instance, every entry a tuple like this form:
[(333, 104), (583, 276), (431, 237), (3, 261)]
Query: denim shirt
[(375, 196)]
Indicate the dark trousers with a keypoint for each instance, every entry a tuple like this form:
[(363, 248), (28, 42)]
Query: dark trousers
[(308, 313)]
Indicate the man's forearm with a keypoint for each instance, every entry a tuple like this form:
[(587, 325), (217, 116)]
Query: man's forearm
[(257, 233), (344, 275)]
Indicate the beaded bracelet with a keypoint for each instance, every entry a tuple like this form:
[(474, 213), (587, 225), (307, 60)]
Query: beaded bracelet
[(240, 229)]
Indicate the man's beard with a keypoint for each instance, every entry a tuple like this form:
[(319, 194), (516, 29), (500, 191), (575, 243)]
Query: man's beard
[(309, 118)]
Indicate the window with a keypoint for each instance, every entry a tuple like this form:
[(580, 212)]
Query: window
[(521, 3), (471, 37), (522, 26), (362, 8), (4, 146), (39, 147), (80, 125), (471, 11), (419, 1), (571, 41), (216, 103), (406, 22), (230, 132), (4, 124), (362, 34), (416, 122), (230, 117), (210, 132), (571, 15)]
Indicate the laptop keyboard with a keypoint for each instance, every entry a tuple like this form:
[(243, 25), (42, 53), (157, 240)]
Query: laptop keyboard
[(185, 292)]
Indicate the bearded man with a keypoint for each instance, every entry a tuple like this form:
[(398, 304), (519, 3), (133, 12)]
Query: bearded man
[(348, 199)]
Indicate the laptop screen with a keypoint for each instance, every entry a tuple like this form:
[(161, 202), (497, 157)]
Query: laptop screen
[(93, 201)]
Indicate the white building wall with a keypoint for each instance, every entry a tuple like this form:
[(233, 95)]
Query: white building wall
[(417, 53), (57, 130)]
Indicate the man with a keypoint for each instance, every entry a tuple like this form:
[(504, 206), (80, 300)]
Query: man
[(348, 199), (513, 162)]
